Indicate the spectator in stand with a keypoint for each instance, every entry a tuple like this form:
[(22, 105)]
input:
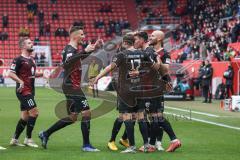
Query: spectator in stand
[(55, 16), (108, 32), (36, 40), (118, 29), (186, 52), (21, 1), (122, 23), (111, 21), (171, 5), (112, 27), (217, 53), (32, 7), (139, 2), (205, 21), (235, 32), (42, 59), (223, 43), (105, 8), (24, 32), (61, 32), (96, 23), (37, 59), (41, 29), (101, 23), (203, 50), (41, 16), (3, 36), (30, 17), (126, 24), (230, 53), (53, 1), (229, 75), (195, 50), (5, 20), (47, 29)]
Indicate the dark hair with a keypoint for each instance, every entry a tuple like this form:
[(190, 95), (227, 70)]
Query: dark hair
[(21, 41), (75, 28), (142, 35), (128, 39)]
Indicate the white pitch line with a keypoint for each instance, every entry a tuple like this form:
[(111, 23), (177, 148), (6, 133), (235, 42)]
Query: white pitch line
[(201, 113), (205, 121)]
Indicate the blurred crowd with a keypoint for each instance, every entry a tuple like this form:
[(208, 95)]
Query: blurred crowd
[(209, 37)]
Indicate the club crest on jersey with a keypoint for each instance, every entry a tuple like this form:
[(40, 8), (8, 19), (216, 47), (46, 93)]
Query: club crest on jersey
[(168, 60), (147, 104), (33, 71), (68, 56), (13, 66)]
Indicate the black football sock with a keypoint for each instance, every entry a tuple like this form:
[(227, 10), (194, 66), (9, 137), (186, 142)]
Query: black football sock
[(19, 128), (93, 91), (149, 129), (85, 127), (97, 92), (167, 128), (30, 125), (124, 136), (58, 125), (130, 131), (154, 130), (160, 134), (116, 127), (144, 130)]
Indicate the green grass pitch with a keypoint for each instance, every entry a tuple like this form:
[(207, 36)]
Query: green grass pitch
[(200, 141)]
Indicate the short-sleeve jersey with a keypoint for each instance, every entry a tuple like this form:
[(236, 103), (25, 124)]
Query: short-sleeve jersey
[(25, 69)]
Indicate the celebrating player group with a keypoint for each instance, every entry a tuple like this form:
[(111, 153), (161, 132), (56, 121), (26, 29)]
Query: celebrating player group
[(142, 65)]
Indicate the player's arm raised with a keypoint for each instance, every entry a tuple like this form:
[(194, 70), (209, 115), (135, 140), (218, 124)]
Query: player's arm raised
[(91, 48)]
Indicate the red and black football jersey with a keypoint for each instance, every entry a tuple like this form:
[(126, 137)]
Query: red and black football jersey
[(25, 69), (72, 67), (165, 57)]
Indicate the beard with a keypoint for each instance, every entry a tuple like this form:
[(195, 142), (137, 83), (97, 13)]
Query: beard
[(30, 50), (153, 42), (80, 42)]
